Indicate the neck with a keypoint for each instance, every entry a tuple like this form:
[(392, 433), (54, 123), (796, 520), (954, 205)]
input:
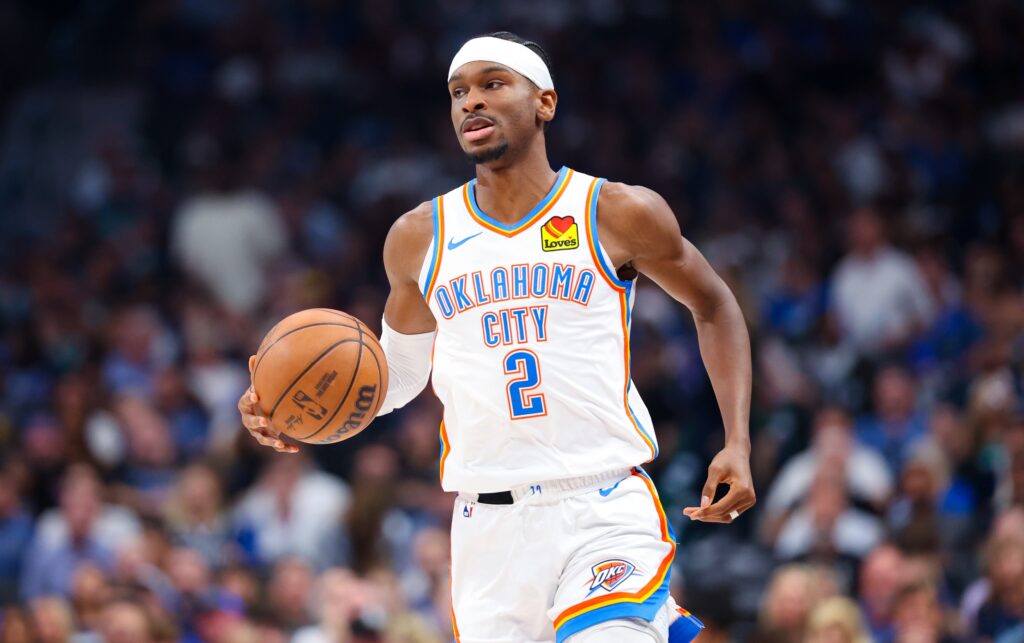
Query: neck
[(508, 192)]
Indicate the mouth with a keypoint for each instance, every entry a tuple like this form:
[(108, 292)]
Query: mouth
[(477, 128)]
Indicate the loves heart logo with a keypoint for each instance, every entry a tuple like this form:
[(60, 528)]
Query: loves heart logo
[(558, 226), (559, 233)]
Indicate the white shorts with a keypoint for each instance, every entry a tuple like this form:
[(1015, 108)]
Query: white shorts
[(564, 556)]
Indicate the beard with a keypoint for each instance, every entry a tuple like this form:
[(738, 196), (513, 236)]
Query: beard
[(488, 155)]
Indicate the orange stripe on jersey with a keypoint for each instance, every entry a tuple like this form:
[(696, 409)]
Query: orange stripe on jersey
[(446, 448), (624, 308), (645, 592), (481, 218), (438, 250), (595, 253)]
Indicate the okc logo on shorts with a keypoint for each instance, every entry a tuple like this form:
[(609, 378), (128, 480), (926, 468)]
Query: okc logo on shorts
[(609, 574), (559, 233)]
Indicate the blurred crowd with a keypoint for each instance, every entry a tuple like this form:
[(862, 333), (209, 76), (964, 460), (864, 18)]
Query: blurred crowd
[(177, 175)]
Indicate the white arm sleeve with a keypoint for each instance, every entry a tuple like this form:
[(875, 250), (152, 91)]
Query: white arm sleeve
[(408, 365)]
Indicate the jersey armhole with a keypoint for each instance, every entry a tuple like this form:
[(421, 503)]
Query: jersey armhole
[(601, 258), (432, 260)]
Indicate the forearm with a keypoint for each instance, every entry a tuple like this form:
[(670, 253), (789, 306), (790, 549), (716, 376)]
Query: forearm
[(725, 348), (408, 358)]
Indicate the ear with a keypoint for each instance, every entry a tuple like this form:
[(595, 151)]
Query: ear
[(547, 101)]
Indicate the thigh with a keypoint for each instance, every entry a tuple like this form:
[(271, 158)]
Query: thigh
[(504, 573), (621, 560)]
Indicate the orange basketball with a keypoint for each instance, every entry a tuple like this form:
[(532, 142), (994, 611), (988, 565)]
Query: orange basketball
[(320, 375)]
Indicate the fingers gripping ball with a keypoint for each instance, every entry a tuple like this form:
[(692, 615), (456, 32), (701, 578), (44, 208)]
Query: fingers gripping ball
[(320, 375)]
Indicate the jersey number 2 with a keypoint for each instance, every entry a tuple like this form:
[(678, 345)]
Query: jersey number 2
[(521, 402)]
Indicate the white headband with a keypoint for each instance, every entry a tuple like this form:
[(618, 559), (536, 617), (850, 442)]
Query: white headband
[(516, 57)]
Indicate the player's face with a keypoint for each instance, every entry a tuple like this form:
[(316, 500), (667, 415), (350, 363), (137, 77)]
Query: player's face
[(495, 110)]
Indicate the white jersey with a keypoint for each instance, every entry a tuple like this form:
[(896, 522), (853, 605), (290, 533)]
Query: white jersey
[(531, 357)]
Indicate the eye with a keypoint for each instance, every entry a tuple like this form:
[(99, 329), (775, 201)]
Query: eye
[(458, 92), (493, 84)]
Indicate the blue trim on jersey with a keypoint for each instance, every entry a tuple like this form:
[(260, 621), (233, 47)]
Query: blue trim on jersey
[(592, 223), (629, 303), (537, 208), (684, 629), (646, 610), (433, 248)]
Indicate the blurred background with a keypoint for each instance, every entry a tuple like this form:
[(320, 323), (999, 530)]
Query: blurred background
[(177, 175)]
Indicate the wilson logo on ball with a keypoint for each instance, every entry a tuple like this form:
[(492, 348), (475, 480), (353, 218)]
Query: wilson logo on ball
[(312, 408), (363, 404), (356, 418)]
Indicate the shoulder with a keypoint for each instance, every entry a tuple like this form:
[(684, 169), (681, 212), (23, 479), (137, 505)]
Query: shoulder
[(414, 226), (409, 239), (635, 222), (630, 200)]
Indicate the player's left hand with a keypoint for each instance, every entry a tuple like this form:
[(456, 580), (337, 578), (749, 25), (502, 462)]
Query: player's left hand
[(730, 466)]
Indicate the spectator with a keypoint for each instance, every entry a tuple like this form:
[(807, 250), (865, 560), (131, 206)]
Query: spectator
[(51, 620), (835, 620), (90, 594), (879, 297), (188, 419), (114, 525), (195, 515), (895, 424), (15, 532), (295, 510), (1004, 610), (794, 592), (124, 622), (882, 574), (52, 558), (336, 606), (917, 616), (140, 347), (289, 593), (148, 473), (867, 478), (15, 626), (1009, 524), (226, 235), (826, 525), (916, 516)]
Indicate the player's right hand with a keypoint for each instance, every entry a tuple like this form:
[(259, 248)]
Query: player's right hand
[(258, 424)]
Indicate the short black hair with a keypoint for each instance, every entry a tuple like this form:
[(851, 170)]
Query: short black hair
[(529, 44)]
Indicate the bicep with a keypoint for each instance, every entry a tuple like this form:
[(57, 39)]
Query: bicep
[(672, 262), (407, 244), (406, 311)]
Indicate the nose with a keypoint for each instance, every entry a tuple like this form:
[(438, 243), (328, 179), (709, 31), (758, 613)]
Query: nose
[(474, 101)]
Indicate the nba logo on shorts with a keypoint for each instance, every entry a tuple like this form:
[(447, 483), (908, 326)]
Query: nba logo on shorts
[(467, 510), (609, 574)]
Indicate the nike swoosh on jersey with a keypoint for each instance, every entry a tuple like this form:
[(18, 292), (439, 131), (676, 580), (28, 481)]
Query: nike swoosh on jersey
[(452, 245), (606, 492)]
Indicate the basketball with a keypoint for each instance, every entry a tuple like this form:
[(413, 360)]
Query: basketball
[(320, 375)]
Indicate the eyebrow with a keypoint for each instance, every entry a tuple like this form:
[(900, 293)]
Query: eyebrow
[(485, 70)]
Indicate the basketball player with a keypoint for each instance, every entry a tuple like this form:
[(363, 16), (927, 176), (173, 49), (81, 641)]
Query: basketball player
[(516, 290)]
